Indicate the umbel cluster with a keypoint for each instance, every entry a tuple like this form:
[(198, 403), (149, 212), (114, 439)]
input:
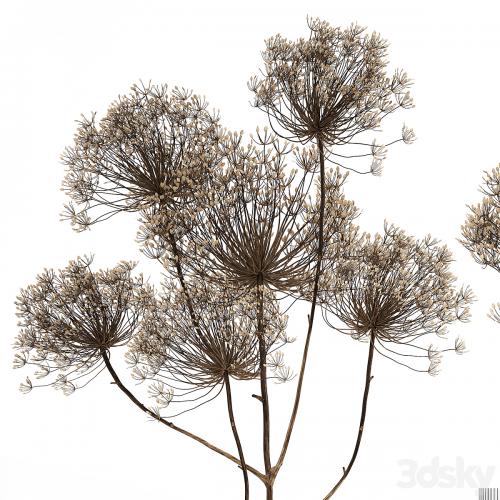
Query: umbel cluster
[(242, 228)]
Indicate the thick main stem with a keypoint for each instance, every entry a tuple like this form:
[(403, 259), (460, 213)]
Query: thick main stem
[(362, 419), (313, 309), (149, 412), (264, 393), (236, 435)]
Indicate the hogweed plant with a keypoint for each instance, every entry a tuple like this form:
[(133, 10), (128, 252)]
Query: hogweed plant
[(481, 231), (242, 229)]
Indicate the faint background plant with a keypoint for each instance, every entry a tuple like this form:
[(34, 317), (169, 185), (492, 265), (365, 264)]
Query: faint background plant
[(481, 231)]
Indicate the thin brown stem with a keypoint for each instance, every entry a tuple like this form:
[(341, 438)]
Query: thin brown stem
[(182, 280), (362, 419), (264, 395), (311, 314), (149, 412), (236, 435), (185, 290)]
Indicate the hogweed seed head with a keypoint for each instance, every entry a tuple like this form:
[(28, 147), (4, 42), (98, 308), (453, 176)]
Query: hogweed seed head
[(154, 148), (481, 230), (259, 230), (186, 344), (68, 318), (332, 87), (401, 290)]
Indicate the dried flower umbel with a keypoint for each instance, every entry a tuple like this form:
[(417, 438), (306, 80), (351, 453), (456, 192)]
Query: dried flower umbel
[(69, 318), (259, 230), (190, 346), (240, 230), (330, 88), (153, 148), (481, 231), (398, 290), (393, 291)]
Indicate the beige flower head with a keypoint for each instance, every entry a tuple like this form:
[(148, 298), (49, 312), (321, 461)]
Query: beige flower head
[(189, 342), (154, 147), (68, 318), (400, 290), (332, 85)]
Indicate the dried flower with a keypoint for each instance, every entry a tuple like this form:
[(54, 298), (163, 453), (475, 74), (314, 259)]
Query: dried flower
[(408, 135), (481, 231), (186, 344), (260, 229), (153, 148), (68, 318), (399, 289), (330, 87)]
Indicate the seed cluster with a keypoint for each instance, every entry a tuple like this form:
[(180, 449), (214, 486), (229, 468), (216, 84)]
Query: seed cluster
[(333, 86), (153, 148), (481, 231), (68, 318), (189, 344), (399, 289)]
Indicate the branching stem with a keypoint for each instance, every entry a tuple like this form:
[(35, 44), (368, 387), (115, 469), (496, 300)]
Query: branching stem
[(152, 414)]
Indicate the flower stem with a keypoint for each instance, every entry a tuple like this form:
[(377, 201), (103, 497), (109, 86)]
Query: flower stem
[(313, 308), (362, 419), (236, 435), (146, 410), (264, 394)]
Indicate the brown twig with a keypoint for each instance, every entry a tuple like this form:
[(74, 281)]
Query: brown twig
[(362, 419), (295, 409), (236, 435), (264, 395), (152, 414)]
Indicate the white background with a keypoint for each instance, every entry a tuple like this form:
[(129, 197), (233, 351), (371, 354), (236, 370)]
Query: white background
[(60, 59)]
